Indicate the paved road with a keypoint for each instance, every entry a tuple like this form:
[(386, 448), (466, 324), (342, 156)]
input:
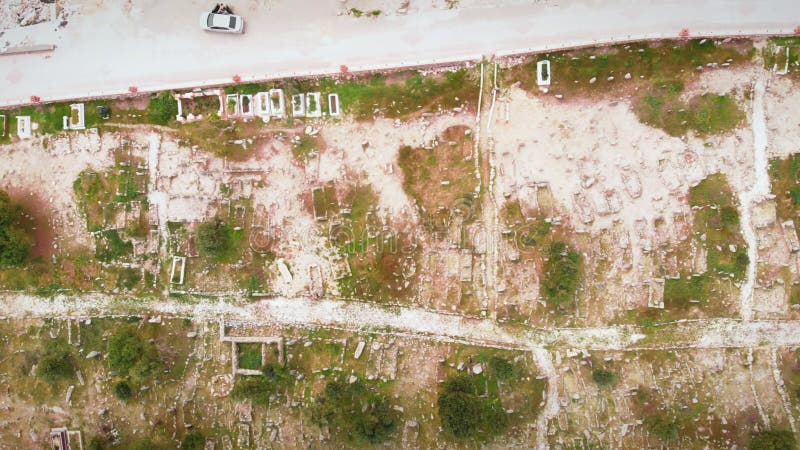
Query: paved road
[(419, 323), (108, 46)]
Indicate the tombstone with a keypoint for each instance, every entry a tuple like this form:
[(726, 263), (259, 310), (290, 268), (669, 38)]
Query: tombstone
[(24, 127), (333, 105), (543, 73)]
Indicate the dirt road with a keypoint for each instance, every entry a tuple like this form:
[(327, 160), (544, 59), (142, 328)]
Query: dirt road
[(420, 323), (104, 48)]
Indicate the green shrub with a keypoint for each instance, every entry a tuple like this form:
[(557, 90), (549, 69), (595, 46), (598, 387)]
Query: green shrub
[(213, 238), (355, 412), (662, 427), (147, 444), (561, 275), (15, 239), (111, 246), (502, 368), (465, 415), (97, 443), (604, 377), (129, 354), (162, 109), (258, 389), (194, 440), (56, 364), (128, 278), (123, 391), (773, 440)]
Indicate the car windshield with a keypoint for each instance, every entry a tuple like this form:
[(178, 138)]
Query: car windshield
[(233, 22), (210, 21)]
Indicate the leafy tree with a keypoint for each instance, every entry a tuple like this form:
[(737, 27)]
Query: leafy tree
[(162, 109), (129, 354), (125, 347), (604, 377), (15, 240), (355, 412), (773, 440), (123, 391), (56, 363), (194, 440), (465, 415), (213, 238)]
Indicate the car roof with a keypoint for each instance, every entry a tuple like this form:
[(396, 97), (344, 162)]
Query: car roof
[(221, 20)]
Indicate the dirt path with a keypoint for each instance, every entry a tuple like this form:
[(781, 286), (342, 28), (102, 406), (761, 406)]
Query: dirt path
[(544, 360), (755, 194), (417, 322)]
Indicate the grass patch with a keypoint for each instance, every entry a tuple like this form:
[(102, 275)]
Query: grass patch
[(50, 117), (785, 180), (688, 289), (647, 62), (404, 94), (775, 56), (561, 276), (109, 246), (225, 138), (260, 388), (716, 228), (442, 179), (377, 258), (249, 354), (658, 70), (706, 114), (304, 146), (717, 218), (207, 105), (102, 195)]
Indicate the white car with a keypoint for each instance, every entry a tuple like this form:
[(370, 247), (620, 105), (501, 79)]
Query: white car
[(224, 23)]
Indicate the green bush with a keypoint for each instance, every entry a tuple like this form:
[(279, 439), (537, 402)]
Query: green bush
[(162, 109), (56, 364), (129, 354), (465, 415), (147, 444), (111, 246), (194, 440), (604, 377), (259, 389), (97, 443), (502, 368), (662, 427), (213, 238), (15, 239), (123, 391), (773, 440), (561, 275), (355, 412)]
